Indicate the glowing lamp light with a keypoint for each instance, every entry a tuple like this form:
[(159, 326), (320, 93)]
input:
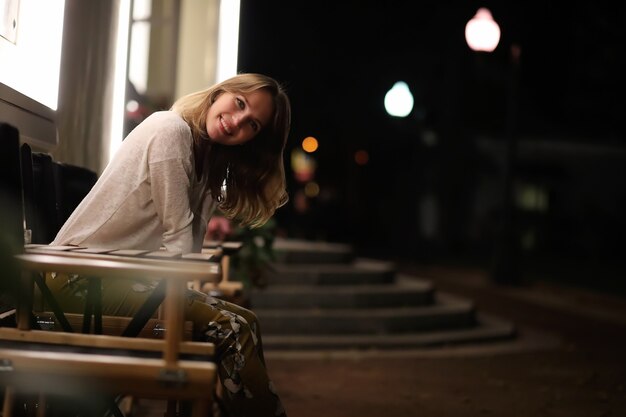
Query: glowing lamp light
[(309, 144), (482, 33), (399, 100)]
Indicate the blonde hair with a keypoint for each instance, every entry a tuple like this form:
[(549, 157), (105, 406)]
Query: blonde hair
[(253, 173)]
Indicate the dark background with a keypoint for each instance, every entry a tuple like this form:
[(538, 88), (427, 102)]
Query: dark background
[(433, 188)]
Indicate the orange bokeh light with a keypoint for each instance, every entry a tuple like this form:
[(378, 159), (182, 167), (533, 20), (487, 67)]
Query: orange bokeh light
[(309, 144)]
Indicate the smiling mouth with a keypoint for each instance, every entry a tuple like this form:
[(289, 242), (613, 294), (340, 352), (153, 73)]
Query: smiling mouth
[(225, 127)]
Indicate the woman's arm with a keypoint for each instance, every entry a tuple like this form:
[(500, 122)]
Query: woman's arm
[(170, 166), (170, 192)]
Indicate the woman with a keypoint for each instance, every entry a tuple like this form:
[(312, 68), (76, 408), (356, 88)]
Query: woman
[(218, 148)]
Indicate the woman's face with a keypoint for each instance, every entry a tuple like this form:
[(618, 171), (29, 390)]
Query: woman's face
[(234, 119)]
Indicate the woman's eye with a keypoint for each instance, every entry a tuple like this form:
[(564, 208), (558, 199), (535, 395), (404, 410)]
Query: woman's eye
[(240, 103), (254, 125)]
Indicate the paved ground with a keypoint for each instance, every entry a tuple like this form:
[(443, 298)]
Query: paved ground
[(569, 360)]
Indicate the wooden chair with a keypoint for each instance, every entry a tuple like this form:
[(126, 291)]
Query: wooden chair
[(49, 357), (38, 361), (52, 190), (222, 250), (144, 323)]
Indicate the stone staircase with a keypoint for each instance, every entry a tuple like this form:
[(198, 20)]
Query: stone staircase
[(321, 297)]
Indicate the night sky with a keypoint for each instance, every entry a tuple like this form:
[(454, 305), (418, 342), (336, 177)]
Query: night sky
[(339, 58), (348, 53)]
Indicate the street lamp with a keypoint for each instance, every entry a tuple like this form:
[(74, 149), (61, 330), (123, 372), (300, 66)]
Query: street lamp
[(482, 33), (399, 100)]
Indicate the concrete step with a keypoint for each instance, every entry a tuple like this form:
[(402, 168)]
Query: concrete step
[(303, 251), (486, 329), (343, 296), (358, 271), (446, 312), (321, 296)]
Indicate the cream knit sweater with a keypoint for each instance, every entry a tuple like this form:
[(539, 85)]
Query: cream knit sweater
[(148, 196)]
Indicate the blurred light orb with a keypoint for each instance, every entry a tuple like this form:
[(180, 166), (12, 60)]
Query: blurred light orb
[(361, 157), (399, 100), (132, 106), (482, 33), (311, 189), (303, 165), (310, 144)]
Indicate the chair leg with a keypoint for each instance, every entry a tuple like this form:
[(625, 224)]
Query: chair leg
[(225, 268), (171, 409), (9, 401), (200, 408), (41, 405), (93, 307), (10, 396)]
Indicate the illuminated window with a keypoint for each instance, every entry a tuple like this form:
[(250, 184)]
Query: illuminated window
[(30, 48), (228, 39)]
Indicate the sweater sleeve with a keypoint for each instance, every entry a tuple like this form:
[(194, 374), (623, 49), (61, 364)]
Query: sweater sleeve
[(170, 167), (170, 188)]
